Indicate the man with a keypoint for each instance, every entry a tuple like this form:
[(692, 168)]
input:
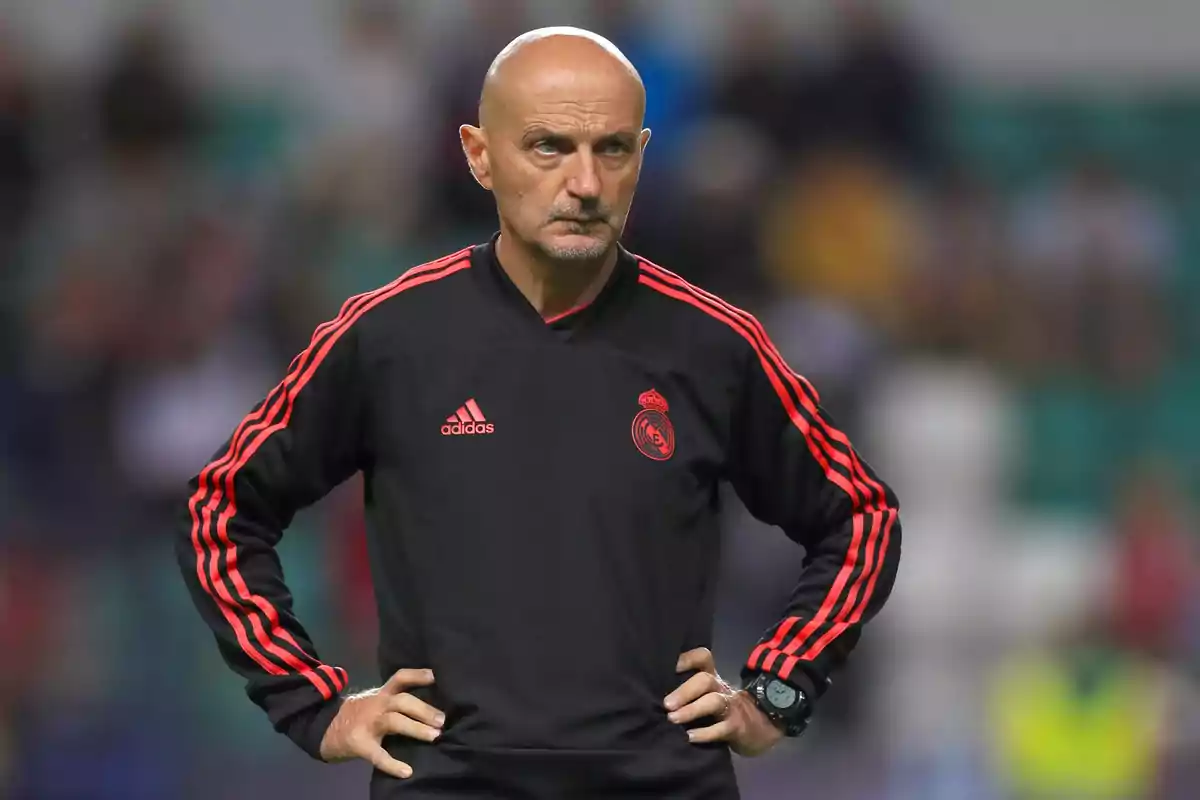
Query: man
[(542, 422)]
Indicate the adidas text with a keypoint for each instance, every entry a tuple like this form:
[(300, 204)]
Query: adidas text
[(467, 428)]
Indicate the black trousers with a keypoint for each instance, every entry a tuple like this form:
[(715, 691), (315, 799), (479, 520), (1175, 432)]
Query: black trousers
[(450, 772)]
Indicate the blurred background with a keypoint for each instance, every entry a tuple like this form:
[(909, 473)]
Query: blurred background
[(974, 225)]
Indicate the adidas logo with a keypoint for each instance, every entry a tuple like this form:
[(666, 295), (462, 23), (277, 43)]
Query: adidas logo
[(467, 421)]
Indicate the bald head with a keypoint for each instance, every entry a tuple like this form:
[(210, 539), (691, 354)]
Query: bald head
[(559, 57), (559, 143)]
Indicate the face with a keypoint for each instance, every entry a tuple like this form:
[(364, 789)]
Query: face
[(562, 158)]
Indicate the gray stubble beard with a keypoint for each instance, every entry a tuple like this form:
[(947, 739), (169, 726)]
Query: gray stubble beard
[(593, 253)]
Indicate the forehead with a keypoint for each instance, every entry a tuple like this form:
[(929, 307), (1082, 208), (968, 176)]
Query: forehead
[(577, 99)]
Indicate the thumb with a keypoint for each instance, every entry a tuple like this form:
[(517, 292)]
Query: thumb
[(382, 761)]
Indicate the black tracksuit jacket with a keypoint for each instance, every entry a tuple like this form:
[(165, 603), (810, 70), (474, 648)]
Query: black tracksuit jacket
[(542, 507)]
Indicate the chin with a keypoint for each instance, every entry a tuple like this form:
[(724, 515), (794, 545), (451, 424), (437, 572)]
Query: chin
[(577, 248)]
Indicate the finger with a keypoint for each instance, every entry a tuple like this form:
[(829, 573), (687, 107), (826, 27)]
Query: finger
[(691, 690), (400, 725), (406, 678), (699, 659), (419, 710), (723, 731), (382, 761), (713, 704)]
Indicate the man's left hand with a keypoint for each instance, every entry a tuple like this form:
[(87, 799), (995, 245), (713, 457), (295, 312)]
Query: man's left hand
[(741, 723)]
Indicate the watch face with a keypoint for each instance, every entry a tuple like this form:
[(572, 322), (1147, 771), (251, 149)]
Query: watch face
[(780, 695)]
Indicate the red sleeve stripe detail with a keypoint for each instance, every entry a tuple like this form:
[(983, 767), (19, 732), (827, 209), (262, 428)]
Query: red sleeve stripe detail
[(813, 436), (222, 592), (857, 616), (314, 356), (804, 390), (817, 445), (762, 342), (245, 431), (839, 623), (796, 642), (842, 624), (303, 366), (808, 397)]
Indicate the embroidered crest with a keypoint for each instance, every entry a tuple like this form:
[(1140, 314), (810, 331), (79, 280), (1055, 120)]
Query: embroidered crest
[(652, 430)]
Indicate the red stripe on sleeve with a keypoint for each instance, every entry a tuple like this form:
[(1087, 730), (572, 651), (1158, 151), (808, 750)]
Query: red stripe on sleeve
[(762, 343), (818, 447), (841, 626), (804, 390), (301, 372)]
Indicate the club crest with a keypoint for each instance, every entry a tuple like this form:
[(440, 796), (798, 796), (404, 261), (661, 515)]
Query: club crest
[(652, 430)]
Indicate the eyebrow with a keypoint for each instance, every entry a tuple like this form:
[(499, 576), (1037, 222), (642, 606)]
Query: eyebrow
[(541, 132)]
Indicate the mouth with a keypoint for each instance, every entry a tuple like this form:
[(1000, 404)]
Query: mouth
[(579, 223)]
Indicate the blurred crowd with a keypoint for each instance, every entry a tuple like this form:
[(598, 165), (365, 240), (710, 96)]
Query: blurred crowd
[(993, 292)]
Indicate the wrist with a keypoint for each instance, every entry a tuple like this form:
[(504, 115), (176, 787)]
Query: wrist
[(784, 703), (309, 728)]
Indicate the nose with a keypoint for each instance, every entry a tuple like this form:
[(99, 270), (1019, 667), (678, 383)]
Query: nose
[(584, 179)]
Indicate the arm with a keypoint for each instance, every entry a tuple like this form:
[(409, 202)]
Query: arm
[(292, 449), (793, 468)]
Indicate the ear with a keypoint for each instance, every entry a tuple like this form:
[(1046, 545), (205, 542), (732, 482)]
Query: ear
[(475, 148), (643, 139)]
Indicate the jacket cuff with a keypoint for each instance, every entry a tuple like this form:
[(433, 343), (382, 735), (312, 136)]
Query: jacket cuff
[(799, 677), (307, 728)]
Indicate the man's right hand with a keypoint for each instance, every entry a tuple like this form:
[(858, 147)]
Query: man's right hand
[(364, 719)]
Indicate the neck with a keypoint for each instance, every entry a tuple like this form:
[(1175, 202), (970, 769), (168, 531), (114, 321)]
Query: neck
[(553, 287)]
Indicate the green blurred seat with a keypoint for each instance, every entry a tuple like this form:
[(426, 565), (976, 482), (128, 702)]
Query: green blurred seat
[(1174, 423), (249, 136), (994, 134), (1079, 439), (1072, 444)]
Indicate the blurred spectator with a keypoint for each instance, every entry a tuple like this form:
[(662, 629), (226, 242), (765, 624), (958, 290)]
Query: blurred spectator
[(839, 243), (1083, 721), (945, 428), (958, 302), (1157, 572), (766, 81), (118, 200), (351, 566), (28, 613), (148, 104), (875, 93), (708, 232), (71, 330), (192, 366), (20, 169), (486, 27), (1095, 257), (844, 229), (373, 103), (673, 83)]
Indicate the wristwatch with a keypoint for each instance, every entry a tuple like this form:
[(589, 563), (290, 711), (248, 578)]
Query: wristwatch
[(784, 704)]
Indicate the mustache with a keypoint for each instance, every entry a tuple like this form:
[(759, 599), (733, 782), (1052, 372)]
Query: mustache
[(589, 215)]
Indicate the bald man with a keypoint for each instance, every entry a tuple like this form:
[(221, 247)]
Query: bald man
[(542, 422)]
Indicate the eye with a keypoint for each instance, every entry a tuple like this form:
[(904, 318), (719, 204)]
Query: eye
[(615, 148), (551, 146)]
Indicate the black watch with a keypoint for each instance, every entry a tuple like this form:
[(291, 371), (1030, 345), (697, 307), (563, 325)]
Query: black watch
[(784, 704)]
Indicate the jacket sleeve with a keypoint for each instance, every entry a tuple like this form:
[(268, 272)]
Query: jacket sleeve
[(793, 468), (292, 449)]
